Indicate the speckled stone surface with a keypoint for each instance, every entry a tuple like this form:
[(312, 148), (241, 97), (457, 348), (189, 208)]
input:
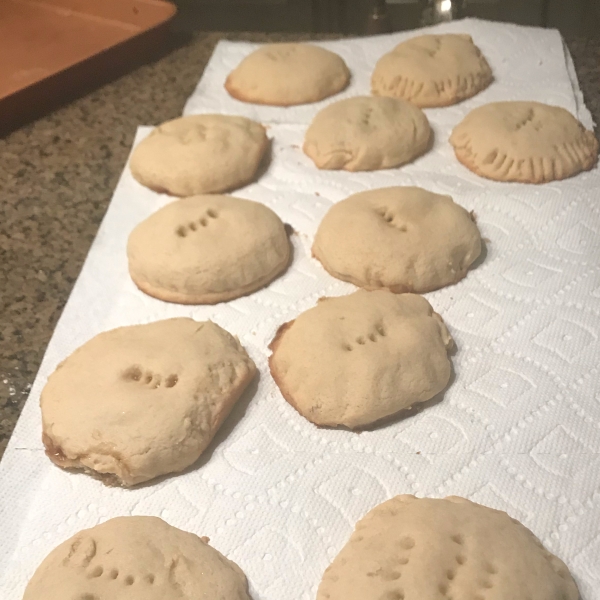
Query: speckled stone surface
[(57, 176)]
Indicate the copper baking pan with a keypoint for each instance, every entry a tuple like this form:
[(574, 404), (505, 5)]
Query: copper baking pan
[(54, 50)]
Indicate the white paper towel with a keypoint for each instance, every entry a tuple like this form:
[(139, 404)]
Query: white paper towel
[(517, 430)]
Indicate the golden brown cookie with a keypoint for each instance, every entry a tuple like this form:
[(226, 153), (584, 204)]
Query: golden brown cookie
[(435, 549), (136, 558), (208, 249), (354, 360), (141, 401), (366, 133), (528, 142), (287, 74), (432, 70), (200, 154), (404, 239)]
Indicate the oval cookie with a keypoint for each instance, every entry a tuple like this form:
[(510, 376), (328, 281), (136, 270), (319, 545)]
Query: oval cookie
[(141, 401), (367, 133), (136, 558), (355, 360), (528, 142), (432, 70), (434, 549), (200, 154), (287, 74), (404, 239), (207, 249)]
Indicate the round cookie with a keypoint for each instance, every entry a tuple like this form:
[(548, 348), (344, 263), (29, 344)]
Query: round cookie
[(200, 154), (430, 549), (432, 70), (404, 239), (207, 249), (528, 142), (141, 401), (366, 133), (355, 360), (288, 74), (136, 558)]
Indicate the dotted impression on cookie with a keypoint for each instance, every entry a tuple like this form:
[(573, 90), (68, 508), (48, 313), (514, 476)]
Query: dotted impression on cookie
[(83, 554), (392, 569), (453, 549), (361, 340), (391, 219), (460, 558), (537, 125), (397, 238), (148, 378), (183, 230)]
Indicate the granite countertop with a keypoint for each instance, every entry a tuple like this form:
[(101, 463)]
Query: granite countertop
[(57, 176)]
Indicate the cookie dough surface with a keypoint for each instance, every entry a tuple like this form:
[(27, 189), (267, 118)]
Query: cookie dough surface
[(354, 360), (287, 74), (432, 549), (367, 133), (432, 70), (528, 142), (200, 154), (404, 239), (141, 401), (207, 249), (136, 558)]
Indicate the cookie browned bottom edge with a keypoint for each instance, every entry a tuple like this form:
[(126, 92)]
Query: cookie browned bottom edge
[(214, 298), (239, 95), (407, 411), (181, 298), (442, 103), (218, 190), (284, 392), (227, 407), (399, 288), (56, 454), (427, 148), (463, 160), (538, 181), (450, 102)]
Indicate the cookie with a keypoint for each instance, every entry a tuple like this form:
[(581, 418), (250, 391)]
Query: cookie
[(288, 74), (141, 401), (432, 70), (528, 142), (355, 360), (404, 239), (136, 558), (207, 249), (200, 154), (431, 549), (367, 133)]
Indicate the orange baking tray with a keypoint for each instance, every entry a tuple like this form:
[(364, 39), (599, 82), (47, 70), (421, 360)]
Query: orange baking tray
[(54, 50)]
